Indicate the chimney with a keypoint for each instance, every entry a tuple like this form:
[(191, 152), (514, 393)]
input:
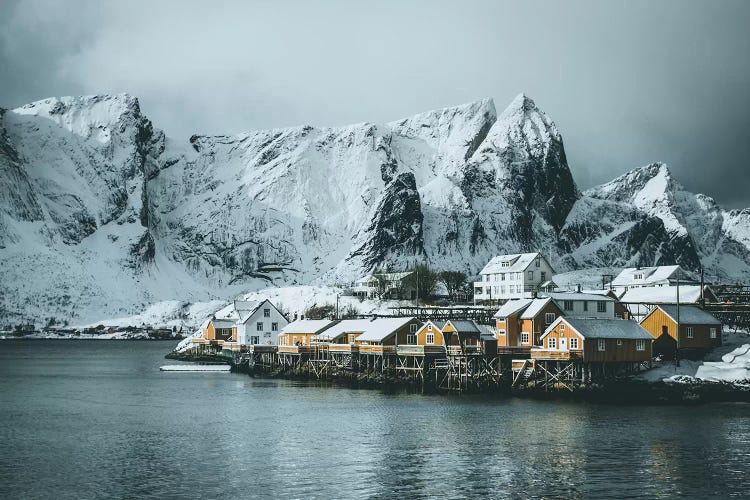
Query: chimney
[(578, 288)]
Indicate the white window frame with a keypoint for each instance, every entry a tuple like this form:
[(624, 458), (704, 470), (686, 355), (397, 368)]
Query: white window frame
[(259, 326), (274, 327), (412, 328), (501, 332), (531, 275), (689, 332), (562, 327), (713, 332), (547, 319), (411, 339), (294, 340), (551, 342), (266, 313), (254, 339), (619, 341), (429, 327), (640, 345), (567, 303), (574, 343), (430, 339), (601, 306), (524, 337), (601, 345)]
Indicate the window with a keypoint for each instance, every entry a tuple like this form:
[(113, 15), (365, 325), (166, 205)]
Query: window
[(294, 340), (640, 345), (430, 338), (602, 345), (274, 327), (562, 327), (713, 333), (585, 305), (411, 339), (531, 275), (619, 341), (259, 326), (549, 318), (502, 277), (429, 327), (551, 342), (544, 275), (690, 332), (524, 337), (501, 332), (266, 313), (506, 264), (254, 340), (601, 306), (638, 276), (568, 305), (538, 263), (574, 343), (502, 289), (412, 328)]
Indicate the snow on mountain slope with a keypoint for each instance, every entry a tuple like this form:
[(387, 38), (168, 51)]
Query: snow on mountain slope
[(101, 214), (671, 225)]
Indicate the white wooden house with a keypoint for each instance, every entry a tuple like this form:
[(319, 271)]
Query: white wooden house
[(513, 276)]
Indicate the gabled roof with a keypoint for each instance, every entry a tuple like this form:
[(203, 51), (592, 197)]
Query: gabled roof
[(558, 296), (239, 311), (607, 292), (382, 328), (590, 328), (535, 307), (315, 326), (222, 323), (464, 326), (688, 315), (344, 326), (512, 307), (487, 332), (518, 262), (651, 275), (662, 295)]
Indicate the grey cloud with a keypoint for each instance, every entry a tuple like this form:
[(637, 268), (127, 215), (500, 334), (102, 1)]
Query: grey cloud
[(627, 83)]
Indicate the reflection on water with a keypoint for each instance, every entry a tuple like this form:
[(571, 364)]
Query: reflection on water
[(97, 419)]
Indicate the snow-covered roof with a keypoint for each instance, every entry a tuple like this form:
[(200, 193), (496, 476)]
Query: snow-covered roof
[(222, 323), (345, 326), (517, 262), (487, 332), (607, 291), (512, 307), (464, 325), (393, 276), (590, 328), (558, 296), (307, 326), (382, 328), (651, 275), (661, 295), (689, 315), (535, 307), (239, 310)]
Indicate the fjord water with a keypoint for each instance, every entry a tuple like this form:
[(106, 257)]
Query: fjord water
[(84, 419)]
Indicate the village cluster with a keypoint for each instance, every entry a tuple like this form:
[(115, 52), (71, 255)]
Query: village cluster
[(537, 334)]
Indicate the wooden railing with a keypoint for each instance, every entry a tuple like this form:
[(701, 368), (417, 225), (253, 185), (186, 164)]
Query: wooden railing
[(376, 349), (539, 353), (343, 348), (419, 350)]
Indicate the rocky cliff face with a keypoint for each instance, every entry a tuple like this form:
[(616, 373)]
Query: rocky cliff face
[(101, 214)]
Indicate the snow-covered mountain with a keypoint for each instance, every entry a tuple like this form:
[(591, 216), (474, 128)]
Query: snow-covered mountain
[(101, 214)]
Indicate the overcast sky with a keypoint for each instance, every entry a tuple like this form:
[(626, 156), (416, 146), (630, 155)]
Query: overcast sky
[(626, 82)]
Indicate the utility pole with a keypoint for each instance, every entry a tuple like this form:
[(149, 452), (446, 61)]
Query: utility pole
[(337, 305), (677, 351)]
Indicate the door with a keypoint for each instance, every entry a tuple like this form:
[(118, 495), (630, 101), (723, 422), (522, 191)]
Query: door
[(563, 344)]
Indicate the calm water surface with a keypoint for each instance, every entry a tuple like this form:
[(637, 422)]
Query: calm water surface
[(85, 419)]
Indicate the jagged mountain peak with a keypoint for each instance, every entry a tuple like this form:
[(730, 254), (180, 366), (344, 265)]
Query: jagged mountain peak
[(647, 184), (86, 116)]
